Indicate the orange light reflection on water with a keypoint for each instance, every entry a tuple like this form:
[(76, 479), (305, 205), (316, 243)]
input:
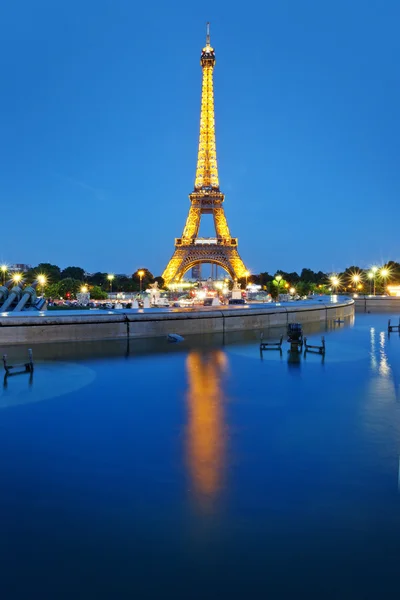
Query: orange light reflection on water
[(206, 427)]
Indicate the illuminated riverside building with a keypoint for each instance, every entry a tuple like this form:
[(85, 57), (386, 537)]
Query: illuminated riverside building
[(206, 198), (394, 290)]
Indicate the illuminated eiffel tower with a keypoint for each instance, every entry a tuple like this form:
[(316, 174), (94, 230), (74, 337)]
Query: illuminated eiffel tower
[(206, 198)]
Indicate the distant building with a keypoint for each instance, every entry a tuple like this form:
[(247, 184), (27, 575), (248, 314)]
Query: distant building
[(196, 272), (19, 268), (394, 290)]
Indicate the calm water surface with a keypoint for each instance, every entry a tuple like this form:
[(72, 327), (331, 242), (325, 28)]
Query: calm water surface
[(201, 470)]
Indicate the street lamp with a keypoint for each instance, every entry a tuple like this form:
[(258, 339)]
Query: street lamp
[(246, 274), (278, 279), (141, 273), (4, 270), (292, 291), (334, 282), (374, 272), (110, 278), (42, 279), (17, 277), (84, 289), (371, 277), (355, 279), (384, 274)]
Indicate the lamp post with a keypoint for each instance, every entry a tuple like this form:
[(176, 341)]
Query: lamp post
[(17, 277), (384, 274), (374, 272), (42, 282), (84, 289), (355, 279), (334, 282), (278, 279), (370, 277), (4, 270), (110, 278), (140, 273)]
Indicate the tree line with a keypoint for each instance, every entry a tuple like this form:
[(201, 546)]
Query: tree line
[(71, 280), (352, 279), (67, 282)]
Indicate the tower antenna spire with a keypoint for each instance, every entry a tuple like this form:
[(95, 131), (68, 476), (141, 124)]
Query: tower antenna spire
[(208, 34)]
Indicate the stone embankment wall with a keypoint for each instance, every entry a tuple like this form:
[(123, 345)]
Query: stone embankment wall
[(375, 304), (147, 323)]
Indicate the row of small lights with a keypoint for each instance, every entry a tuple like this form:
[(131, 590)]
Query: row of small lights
[(334, 279), (42, 279), (17, 277), (357, 278)]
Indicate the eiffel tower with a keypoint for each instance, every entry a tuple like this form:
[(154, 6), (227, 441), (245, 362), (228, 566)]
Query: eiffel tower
[(206, 197)]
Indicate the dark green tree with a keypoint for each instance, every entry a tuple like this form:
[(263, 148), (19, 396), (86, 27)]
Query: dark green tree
[(308, 276), (96, 293), (52, 290), (52, 272), (69, 286), (73, 273), (264, 279), (394, 272), (275, 287), (123, 283), (351, 270), (303, 288), (147, 278), (321, 278), (98, 278), (292, 277), (253, 278)]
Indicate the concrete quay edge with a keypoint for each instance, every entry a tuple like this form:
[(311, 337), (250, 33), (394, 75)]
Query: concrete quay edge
[(104, 325), (387, 304)]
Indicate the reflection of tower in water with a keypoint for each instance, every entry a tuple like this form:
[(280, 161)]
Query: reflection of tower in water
[(206, 429)]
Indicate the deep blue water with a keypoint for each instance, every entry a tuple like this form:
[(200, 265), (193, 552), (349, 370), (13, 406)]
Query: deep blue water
[(199, 470)]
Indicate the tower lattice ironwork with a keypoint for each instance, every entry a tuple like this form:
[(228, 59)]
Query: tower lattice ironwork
[(206, 197)]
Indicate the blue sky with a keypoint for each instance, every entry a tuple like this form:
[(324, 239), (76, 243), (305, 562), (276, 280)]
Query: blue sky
[(99, 118)]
